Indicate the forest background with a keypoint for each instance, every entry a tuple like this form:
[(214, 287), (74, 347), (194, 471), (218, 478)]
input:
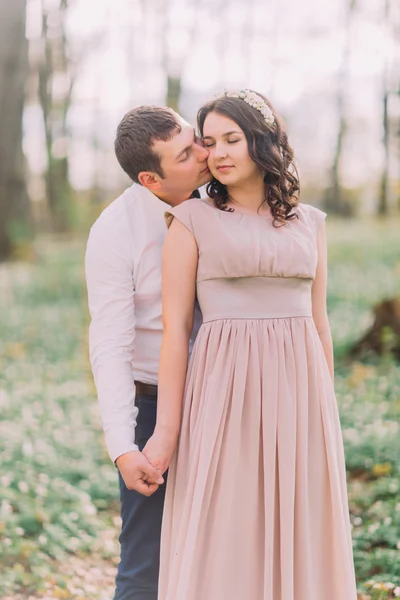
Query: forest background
[(69, 70)]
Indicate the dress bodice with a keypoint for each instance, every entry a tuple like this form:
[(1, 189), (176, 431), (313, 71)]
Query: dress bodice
[(234, 245)]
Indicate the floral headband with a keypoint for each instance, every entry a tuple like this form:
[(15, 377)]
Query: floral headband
[(252, 99)]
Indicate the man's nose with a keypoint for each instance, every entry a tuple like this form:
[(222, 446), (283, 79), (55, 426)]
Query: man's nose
[(202, 153)]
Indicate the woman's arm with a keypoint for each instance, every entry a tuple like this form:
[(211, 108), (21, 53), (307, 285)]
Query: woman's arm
[(319, 310), (180, 257)]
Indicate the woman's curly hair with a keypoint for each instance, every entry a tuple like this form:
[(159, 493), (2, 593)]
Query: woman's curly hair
[(268, 147)]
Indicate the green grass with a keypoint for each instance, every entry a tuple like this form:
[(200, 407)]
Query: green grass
[(58, 489), (364, 269)]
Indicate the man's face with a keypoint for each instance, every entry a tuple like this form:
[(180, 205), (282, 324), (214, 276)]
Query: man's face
[(184, 163)]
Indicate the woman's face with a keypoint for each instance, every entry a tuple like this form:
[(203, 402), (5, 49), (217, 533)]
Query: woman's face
[(229, 160)]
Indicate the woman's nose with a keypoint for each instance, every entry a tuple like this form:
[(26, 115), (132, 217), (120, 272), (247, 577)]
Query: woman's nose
[(220, 151)]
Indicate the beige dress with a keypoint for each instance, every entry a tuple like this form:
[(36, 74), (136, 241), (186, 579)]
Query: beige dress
[(256, 505)]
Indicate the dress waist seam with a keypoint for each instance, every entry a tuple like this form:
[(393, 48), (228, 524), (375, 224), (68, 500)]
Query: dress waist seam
[(254, 277), (274, 318)]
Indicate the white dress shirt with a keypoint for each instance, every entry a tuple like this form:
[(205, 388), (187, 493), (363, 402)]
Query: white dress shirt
[(123, 272)]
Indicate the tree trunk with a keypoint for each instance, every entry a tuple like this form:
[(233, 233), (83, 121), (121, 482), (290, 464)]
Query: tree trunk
[(383, 200), (55, 61), (15, 222), (174, 73), (383, 204), (334, 200), (173, 94), (384, 336)]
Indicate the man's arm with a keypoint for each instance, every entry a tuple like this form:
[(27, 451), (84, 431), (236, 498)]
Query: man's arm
[(109, 275)]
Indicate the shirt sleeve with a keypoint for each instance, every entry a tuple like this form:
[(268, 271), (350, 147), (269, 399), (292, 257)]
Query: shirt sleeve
[(111, 297)]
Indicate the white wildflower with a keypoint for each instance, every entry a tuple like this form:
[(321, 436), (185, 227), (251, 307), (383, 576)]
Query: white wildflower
[(43, 478), (374, 527), (5, 508), (27, 449), (89, 509), (41, 491), (73, 543), (6, 480)]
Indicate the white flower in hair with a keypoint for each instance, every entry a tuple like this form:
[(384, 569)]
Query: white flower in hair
[(252, 99)]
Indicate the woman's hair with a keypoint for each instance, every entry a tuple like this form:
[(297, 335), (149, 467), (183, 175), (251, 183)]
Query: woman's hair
[(268, 147)]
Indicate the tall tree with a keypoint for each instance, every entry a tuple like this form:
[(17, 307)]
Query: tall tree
[(174, 66), (55, 94), (334, 200), (14, 202), (383, 199)]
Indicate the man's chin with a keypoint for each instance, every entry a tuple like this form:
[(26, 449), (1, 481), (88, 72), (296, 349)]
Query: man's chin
[(205, 178)]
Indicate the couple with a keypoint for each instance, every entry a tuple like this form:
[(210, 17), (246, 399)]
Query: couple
[(256, 506)]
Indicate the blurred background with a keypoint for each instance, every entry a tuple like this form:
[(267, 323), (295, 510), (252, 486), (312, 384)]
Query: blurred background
[(69, 70)]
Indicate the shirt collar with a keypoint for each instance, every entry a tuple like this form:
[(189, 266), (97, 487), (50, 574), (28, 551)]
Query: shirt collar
[(153, 201), (150, 200)]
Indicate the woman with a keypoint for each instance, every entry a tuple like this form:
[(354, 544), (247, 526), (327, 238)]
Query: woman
[(256, 505)]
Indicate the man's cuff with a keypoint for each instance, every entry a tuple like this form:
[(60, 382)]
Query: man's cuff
[(119, 441)]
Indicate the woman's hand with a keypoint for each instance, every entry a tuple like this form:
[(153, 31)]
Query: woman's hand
[(160, 449)]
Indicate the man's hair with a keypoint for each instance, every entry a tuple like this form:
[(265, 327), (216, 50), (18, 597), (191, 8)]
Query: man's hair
[(136, 134)]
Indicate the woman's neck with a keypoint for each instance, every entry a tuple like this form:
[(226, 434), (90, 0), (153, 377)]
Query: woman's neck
[(247, 198)]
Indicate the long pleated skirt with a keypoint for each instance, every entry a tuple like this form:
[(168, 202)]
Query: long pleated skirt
[(256, 505)]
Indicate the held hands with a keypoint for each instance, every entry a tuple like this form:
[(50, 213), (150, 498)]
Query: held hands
[(160, 448), (142, 471), (138, 474)]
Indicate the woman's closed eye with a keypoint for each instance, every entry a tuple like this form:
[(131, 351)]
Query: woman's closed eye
[(199, 140), (210, 144)]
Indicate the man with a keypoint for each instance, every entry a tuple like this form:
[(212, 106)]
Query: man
[(162, 155)]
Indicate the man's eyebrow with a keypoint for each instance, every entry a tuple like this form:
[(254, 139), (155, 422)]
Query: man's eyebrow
[(206, 137), (187, 147)]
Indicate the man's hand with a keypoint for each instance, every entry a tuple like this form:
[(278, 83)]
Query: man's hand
[(138, 474)]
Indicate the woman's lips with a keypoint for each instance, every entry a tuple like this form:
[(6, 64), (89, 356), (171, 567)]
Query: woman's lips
[(224, 168)]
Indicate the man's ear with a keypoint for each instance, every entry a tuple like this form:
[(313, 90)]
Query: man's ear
[(149, 180)]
